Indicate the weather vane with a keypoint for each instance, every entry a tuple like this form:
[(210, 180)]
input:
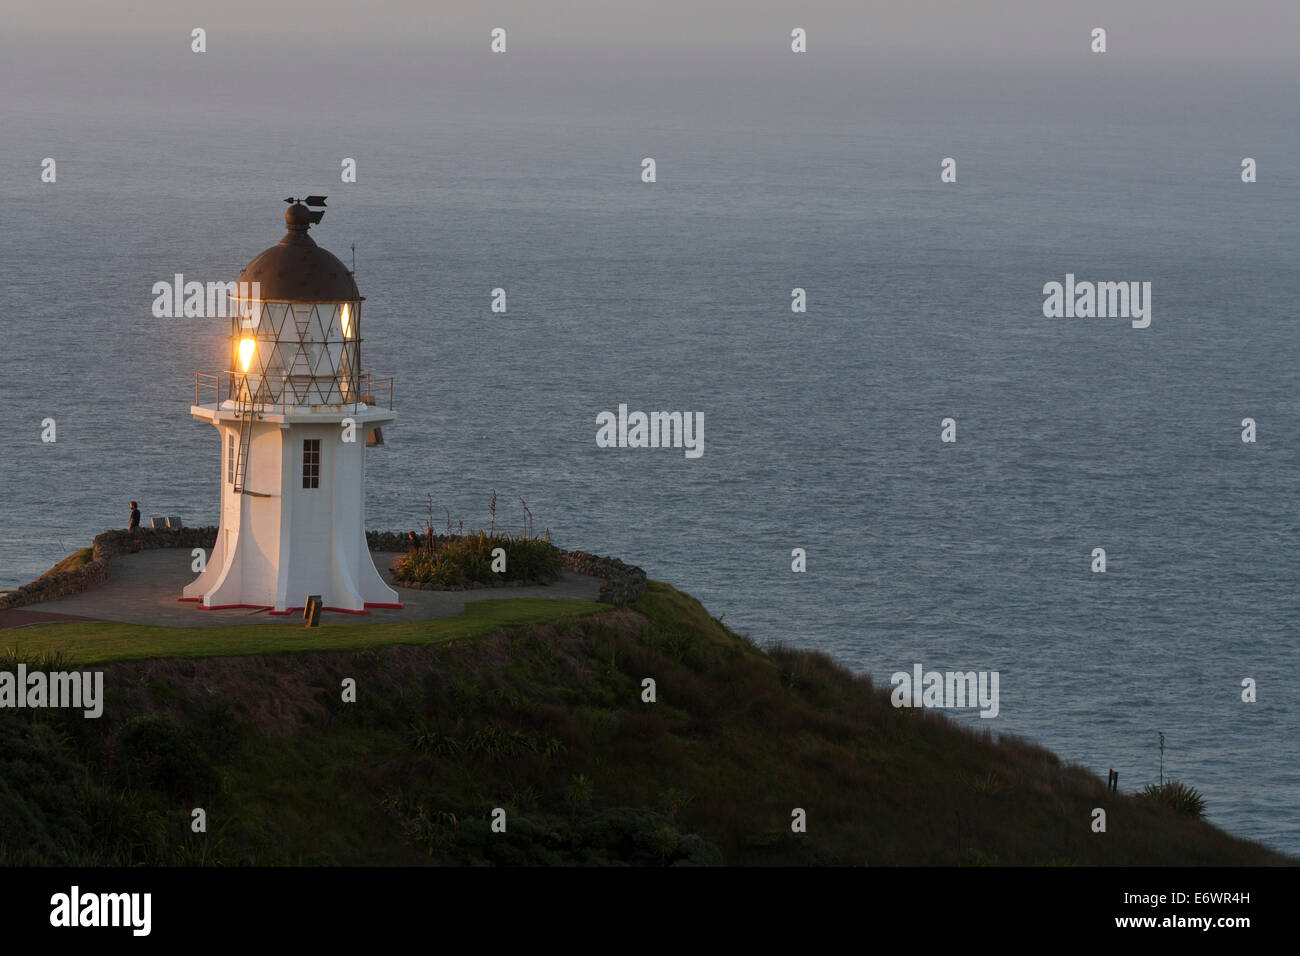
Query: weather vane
[(318, 202)]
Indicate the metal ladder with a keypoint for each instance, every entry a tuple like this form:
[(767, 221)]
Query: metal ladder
[(245, 412)]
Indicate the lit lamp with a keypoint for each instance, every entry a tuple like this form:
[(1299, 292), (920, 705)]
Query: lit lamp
[(250, 387)]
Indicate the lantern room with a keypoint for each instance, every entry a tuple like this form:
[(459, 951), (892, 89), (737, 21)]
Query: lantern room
[(295, 335)]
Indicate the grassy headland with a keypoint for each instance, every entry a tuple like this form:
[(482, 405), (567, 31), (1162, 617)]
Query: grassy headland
[(545, 720)]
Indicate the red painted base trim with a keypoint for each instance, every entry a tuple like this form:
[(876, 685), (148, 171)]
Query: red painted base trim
[(287, 611), (298, 610)]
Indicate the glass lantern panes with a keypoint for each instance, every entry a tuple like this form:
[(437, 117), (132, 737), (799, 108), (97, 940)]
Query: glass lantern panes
[(302, 353)]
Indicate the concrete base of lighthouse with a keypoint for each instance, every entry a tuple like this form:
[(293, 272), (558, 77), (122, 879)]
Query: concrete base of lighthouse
[(298, 526)]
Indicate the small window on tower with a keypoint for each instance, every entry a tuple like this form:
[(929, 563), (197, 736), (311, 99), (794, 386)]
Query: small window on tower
[(311, 463), (230, 459)]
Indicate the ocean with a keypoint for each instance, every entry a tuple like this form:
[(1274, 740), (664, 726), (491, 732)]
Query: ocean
[(822, 429)]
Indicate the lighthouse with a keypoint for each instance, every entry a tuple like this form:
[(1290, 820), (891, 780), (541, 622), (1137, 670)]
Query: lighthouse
[(295, 413)]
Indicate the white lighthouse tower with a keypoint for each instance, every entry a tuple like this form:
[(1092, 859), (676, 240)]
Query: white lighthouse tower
[(295, 414)]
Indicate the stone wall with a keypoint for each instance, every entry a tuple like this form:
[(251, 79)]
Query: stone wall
[(619, 583), (95, 572), (147, 539), (54, 586), (388, 541)]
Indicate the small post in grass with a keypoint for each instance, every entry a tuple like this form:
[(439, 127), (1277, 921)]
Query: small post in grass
[(311, 610), (1112, 782)]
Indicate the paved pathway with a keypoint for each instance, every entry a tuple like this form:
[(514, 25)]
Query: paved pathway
[(144, 588), (11, 617)]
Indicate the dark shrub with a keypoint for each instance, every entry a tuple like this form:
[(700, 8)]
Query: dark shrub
[(1177, 797), (456, 562), (160, 753)]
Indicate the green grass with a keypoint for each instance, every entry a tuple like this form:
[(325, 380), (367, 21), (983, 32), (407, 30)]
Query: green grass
[(545, 720), (73, 561), (98, 643)]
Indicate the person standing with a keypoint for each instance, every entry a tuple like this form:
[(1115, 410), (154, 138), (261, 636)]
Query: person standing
[(135, 523)]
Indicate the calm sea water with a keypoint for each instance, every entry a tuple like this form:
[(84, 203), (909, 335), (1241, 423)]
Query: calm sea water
[(822, 430)]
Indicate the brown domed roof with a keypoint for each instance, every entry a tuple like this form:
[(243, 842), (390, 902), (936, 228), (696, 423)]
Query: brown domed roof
[(297, 269)]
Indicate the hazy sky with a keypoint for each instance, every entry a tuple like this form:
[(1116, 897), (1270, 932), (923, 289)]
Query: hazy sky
[(1193, 28)]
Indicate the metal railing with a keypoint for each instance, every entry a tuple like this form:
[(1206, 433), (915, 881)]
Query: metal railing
[(372, 386), (205, 382), (213, 388)]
